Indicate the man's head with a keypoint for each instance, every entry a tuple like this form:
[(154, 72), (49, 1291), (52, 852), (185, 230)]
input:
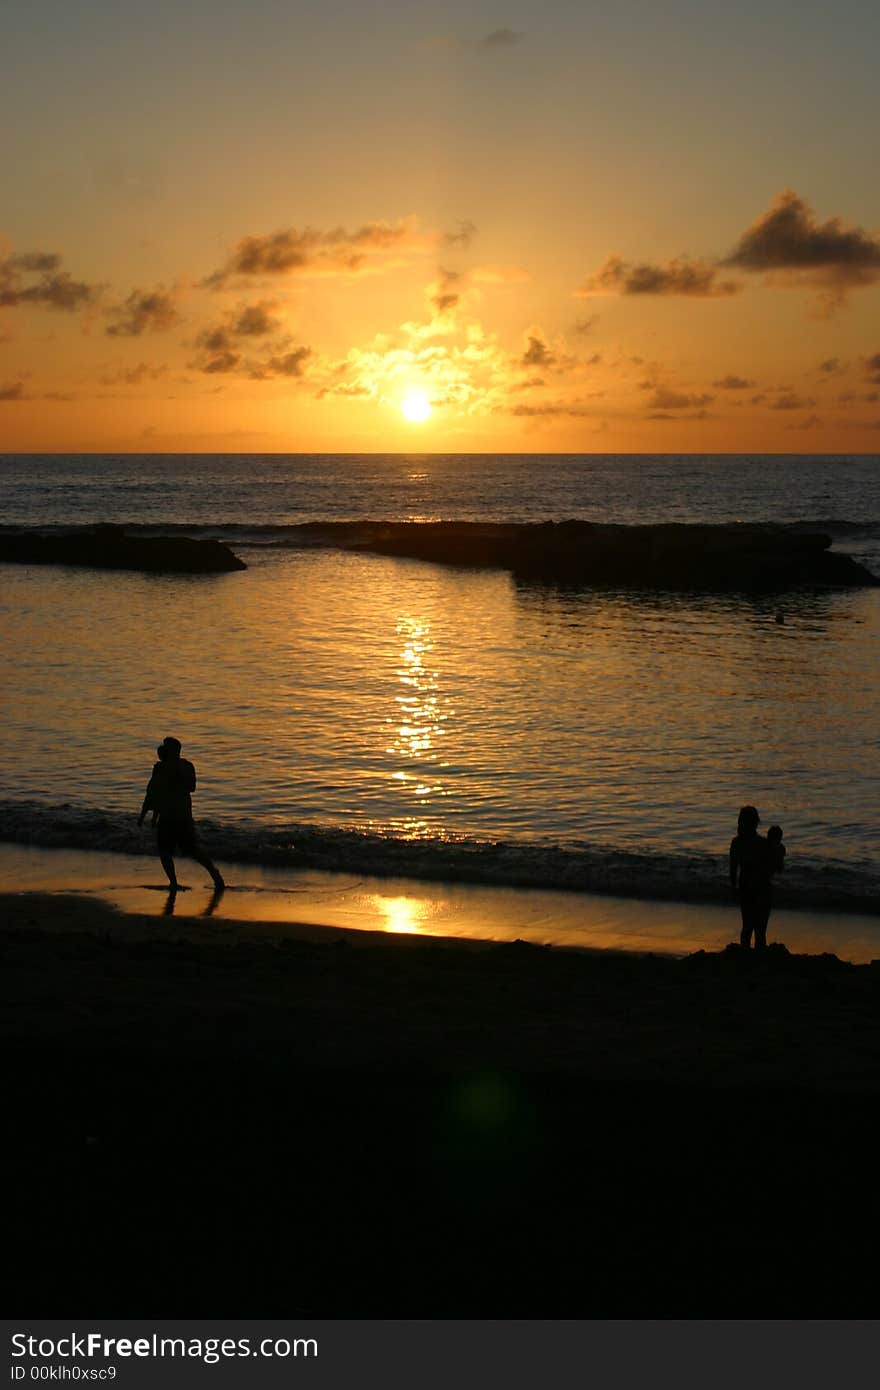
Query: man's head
[(169, 748)]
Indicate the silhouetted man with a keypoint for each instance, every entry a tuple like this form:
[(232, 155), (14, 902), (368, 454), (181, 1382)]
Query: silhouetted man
[(169, 797)]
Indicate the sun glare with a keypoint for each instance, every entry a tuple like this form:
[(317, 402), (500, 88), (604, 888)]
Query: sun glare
[(416, 406)]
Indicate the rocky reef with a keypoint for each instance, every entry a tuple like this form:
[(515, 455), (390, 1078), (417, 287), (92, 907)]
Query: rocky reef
[(668, 556), (111, 548)]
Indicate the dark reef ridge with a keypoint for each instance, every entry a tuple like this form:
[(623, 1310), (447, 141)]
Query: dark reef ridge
[(111, 548), (731, 556)]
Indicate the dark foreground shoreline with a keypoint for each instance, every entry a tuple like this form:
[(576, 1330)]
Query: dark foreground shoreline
[(207, 1121)]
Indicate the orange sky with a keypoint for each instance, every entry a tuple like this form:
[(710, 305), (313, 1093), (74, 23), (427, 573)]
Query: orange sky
[(535, 253)]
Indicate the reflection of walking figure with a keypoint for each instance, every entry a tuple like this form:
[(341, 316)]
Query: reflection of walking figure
[(753, 861), (169, 798)]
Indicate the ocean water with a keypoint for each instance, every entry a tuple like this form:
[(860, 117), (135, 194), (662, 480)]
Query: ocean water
[(410, 702)]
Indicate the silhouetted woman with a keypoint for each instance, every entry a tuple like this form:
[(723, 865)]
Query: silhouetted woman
[(752, 863)]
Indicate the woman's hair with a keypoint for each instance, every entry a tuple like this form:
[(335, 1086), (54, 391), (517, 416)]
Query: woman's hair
[(748, 819)]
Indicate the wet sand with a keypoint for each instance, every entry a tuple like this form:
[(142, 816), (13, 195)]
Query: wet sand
[(285, 901), (219, 1117)]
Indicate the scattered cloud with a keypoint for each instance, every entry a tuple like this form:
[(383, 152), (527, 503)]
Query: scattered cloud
[(872, 368), (733, 383), (788, 245), (462, 236), (850, 397), (13, 392), (696, 279), (218, 361), (537, 353), (830, 366), (133, 376), (499, 39), (311, 252), (788, 400), (144, 311), (221, 347), (666, 399), (587, 325), (36, 277), (445, 294), (254, 320), (551, 409), (288, 364)]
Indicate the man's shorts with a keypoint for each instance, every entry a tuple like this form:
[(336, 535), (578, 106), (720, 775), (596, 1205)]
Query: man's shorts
[(174, 835)]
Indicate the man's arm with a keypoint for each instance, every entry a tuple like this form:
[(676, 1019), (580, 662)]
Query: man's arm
[(149, 804)]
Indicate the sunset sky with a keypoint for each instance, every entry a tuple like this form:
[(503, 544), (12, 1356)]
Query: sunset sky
[(358, 226)]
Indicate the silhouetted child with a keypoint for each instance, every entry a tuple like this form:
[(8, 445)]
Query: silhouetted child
[(776, 849)]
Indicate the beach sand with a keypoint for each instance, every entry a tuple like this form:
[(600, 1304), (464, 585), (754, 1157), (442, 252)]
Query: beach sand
[(217, 1118)]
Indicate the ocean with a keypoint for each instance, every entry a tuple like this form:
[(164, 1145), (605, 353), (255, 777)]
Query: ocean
[(353, 700)]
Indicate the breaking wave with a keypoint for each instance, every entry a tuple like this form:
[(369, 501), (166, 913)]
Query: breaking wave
[(829, 885)]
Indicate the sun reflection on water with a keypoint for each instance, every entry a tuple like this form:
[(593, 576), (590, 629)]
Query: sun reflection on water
[(417, 724)]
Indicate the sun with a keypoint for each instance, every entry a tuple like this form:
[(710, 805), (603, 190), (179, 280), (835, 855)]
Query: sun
[(416, 406)]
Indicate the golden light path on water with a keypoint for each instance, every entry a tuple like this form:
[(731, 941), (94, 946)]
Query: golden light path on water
[(417, 724)]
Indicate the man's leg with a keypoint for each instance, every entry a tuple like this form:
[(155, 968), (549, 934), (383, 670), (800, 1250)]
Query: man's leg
[(201, 858), (745, 936), (168, 865), (195, 851), (165, 846)]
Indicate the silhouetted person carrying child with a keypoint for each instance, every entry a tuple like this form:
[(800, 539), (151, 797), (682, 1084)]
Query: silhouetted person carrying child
[(169, 797), (753, 861)]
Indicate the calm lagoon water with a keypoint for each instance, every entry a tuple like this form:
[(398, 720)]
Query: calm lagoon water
[(340, 689)]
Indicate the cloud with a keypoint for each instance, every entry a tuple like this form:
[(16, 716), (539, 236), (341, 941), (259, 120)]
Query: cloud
[(695, 279), (221, 360), (664, 415), (143, 311), (550, 409), (444, 294), (666, 399), (309, 251), (872, 368), (133, 376), (220, 346), (788, 237), (13, 392), (733, 383), (254, 320), (288, 364), (499, 39), (830, 366), (462, 237), (586, 325), (53, 288), (788, 400), (537, 352), (788, 245)]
